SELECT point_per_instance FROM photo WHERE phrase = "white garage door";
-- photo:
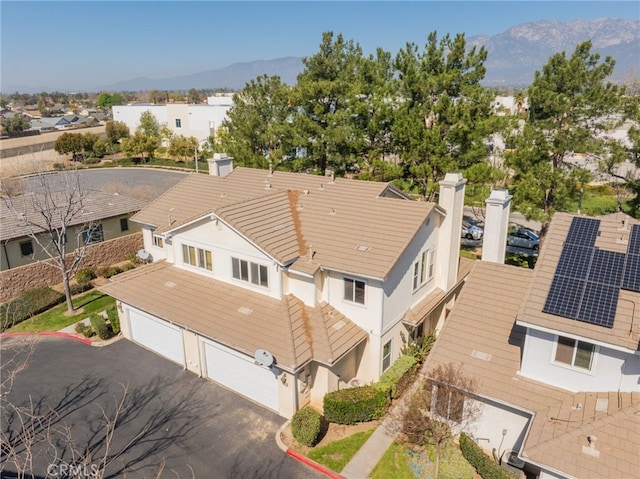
(158, 335)
(239, 373)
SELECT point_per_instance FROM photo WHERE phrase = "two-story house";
(284, 286)
(554, 351)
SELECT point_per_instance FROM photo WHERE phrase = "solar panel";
(634, 240)
(564, 297)
(631, 279)
(575, 261)
(599, 304)
(583, 231)
(606, 267)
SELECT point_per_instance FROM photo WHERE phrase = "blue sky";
(68, 45)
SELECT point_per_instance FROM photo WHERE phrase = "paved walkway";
(372, 451)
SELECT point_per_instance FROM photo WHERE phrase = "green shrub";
(84, 329)
(114, 320)
(80, 288)
(127, 267)
(100, 326)
(419, 348)
(108, 271)
(92, 161)
(85, 275)
(306, 426)
(353, 405)
(391, 378)
(28, 304)
(484, 465)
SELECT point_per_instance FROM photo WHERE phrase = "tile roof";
(339, 224)
(96, 205)
(239, 318)
(481, 335)
(612, 237)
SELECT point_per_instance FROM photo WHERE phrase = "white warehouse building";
(200, 121)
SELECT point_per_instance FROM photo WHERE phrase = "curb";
(304, 459)
(50, 333)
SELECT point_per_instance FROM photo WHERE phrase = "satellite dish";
(144, 255)
(263, 358)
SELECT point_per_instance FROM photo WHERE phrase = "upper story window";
(158, 241)
(178, 123)
(124, 224)
(93, 234)
(26, 248)
(386, 356)
(574, 353)
(198, 257)
(423, 269)
(255, 273)
(354, 290)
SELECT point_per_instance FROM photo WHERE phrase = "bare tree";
(439, 409)
(47, 214)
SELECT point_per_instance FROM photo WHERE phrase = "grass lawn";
(396, 463)
(393, 464)
(337, 454)
(56, 319)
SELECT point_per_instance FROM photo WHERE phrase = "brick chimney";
(494, 245)
(452, 201)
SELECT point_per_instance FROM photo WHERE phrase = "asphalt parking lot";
(172, 421)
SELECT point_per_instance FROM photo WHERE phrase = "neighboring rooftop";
(310, 220)
(481, 335)
(96, 205)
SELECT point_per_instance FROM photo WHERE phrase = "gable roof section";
(612, 237)
(480, 334)
(338, 224)
(97, 205)
(237, 317)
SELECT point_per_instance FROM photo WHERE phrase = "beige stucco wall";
(17, 280)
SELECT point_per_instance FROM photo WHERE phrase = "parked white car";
(471, 231)
(523, 238)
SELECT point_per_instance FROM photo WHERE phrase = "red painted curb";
(49, 333)
(314, 465)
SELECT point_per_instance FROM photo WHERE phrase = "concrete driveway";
(172, 421)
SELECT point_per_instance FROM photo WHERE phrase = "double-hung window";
(423, 269)
(158, 241)
(354, 290)
(248, 271)
(386, 355)
(124, 224)
(572, 352)
(198, 257)
(93, 234)
(178, 123)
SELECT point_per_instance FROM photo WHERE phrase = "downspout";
(6, 255)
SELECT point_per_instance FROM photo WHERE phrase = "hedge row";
(353, 405)
(28, 304)
(391, 381)
(484, 465)
(306, 426)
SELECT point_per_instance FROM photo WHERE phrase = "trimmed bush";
(84, 329)
(306, 426)
(28, 304)
(353, 405)
(114, 320)
(100, 326)
(85, 275)
(484, 465)
(391, 378)
(108, 272)
(80, 288)
(127, 267)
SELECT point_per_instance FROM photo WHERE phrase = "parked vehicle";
(471, 231)
(523, 238)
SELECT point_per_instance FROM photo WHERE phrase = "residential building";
(285, 286)
(105, 216)
(200, 121)
(554, 351)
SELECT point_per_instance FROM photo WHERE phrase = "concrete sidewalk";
(366, 459)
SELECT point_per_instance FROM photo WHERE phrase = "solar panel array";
(587, 281)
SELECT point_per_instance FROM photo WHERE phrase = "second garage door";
(158, 335)
(239, 373)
